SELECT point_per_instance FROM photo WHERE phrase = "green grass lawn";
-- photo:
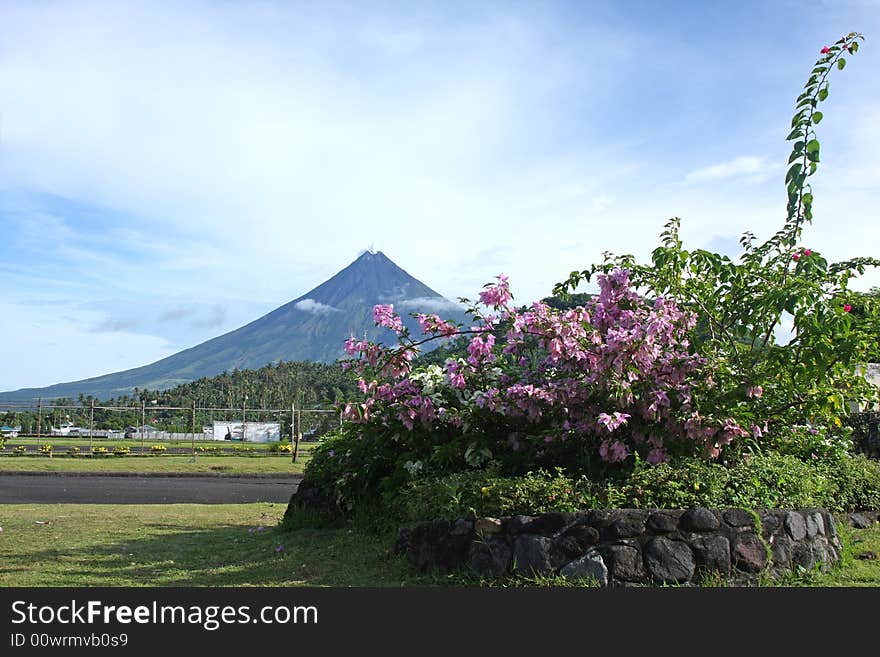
(165, 463)
(222, 545)
(183, 545)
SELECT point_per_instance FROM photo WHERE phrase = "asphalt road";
(60, 488)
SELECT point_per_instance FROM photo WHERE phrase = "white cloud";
(315, 307)
(430, 304)
(756, 169)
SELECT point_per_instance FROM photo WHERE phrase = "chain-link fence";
(150, 423)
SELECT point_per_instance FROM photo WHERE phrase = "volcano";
(312, 327)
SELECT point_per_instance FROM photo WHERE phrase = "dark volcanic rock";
(859, 521)
(431, 545)
(699, 520)
(583, 535)
(739, 518)
(749, 554)
(627, 525)
(624, 563)
(795, 525)
(589, 566)
(669, 562)
(662, 522)
(531, 555)
(547, 523)
(490, 558)
(712, 553)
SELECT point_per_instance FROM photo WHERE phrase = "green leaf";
(823, 93)
(813, 156)
(794, 134)
(813, 146)
(841, 63)
(817, 116)
(793, 172)
(854, 47)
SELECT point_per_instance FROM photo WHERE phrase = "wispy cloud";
(215, 317)
(752, 168)
(315, 307)
(176, 313)
(430, 304)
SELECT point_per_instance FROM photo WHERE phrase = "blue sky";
(171, 171)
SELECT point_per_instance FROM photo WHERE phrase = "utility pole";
(91, 420)
(143, 422)
(293, 441)
(243, 421)
(299, 428)
(40, 421)
(193, 425)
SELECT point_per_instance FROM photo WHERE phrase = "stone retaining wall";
(627, 547)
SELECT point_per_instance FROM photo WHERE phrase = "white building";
(254, 432)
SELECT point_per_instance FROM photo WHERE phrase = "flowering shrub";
(589, 388)
(18, 449)
(603, 380)
(158, 449)
(46, 449)
(281, 448)
(121, 450)
(243, 449)
(73, 451)
(670, 360)
(100, 451)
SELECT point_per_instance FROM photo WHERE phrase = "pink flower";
(825, 50)
(384, 316)
(755, 392)
(847, 308)
(496, 295)
(808, 252)
(611, 422)
(480, 350)
(454, 375)
(796, 256)
(433, 324)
